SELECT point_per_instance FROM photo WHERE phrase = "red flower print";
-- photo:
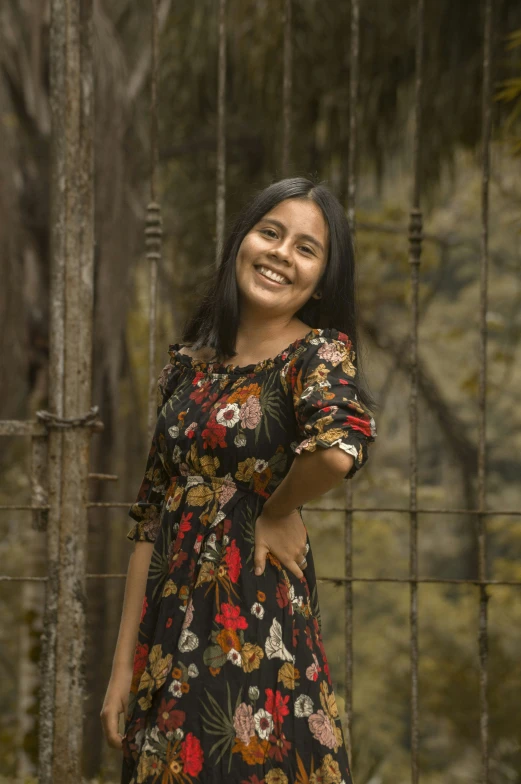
(168, 623)
(230, 617)
(232, 559)
(192, 755)
(143, 609)
(281, 594)
(359, 423)
(279, 747)
(184, 526)
(253, 779)
(168, 718)
(276, 705)
(140, 658)
(214, 435)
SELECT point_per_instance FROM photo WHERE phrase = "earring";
(317, 295)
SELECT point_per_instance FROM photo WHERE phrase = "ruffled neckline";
(204, 366)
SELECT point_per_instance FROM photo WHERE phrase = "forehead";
(300, 215)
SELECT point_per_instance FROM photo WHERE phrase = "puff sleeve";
(147, 508)
(327, 408)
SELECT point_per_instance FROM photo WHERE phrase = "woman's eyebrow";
(307, 237)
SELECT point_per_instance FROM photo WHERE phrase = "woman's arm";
(311, 475)
(279, 529)
(116, 697)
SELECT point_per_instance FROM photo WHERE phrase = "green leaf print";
(273, 405)
(159, 566)
(216, 722)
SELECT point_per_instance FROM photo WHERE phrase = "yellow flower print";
(288, 674)
(251, 656)
(276, 776)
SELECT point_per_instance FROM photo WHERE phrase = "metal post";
(72, 217)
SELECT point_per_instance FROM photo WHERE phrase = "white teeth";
(273, 275)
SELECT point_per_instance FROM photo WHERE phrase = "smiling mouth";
(270, 279)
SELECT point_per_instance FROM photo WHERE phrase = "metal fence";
(60, 437)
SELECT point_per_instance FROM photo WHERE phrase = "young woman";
(220, 667)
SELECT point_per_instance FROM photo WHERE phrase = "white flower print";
(234, 656)
(263, 723)
(274, 645)
(261, 465)
(188, 641)
(228, 416)
(193, 672)
(257, 609)
(303, 706)
(176, 688)
(253, 693)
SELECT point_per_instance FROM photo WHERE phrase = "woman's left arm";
(279, 528)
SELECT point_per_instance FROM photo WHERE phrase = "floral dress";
(231, 682)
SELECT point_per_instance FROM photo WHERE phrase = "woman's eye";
(306, 248)
(265, 230)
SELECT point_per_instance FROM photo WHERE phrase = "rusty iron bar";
(354, 78)
(400, 509)
(220, 198)
(337, 581)
(18, 427)
(482, 396)
(415, 250)
(287, 88)
(354, 50)
(153, 228)
(72, 243)
(39, 483)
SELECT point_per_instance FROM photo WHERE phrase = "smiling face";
(290, 240)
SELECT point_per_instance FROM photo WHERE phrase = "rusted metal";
(336, 581)
(348, 487)
(16, 427)
(354, 68)
(482, 396)
(220, 199)
(153, 229)
(38, 473)
(72, 214)
(153, 240)
(287, 89)
(415, 249)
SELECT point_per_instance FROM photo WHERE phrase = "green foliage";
(510, 92)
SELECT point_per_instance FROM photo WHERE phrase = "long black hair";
(216, 319)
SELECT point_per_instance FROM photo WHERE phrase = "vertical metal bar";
(287, 89)
(221, 134)
(415, 249)
(57, 52)
(153, 230)
(482, 453)
(348, 497)
(354, 58)
(39, 482)
(72, 217)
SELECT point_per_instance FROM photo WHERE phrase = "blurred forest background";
(449, 333)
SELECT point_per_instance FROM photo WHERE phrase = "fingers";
(259, 558)
(109, 719)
